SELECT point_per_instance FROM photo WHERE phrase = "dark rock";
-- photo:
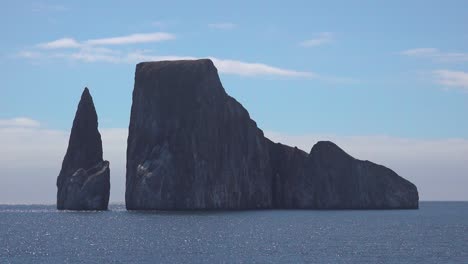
(329, 178)
(289, 176)
(84, 180)
(344, 182)
(192, 146)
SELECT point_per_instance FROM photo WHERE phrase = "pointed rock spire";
(84, 180)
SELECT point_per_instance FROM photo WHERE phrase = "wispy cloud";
(137, 38)
(321, 39)
(455, 79)
(224, 26)
(253, 69)
(92, 54)
(94, 50)
(447, 78)
(436, 55)
(63, 43)
(132, 39)
(228, 66)
(19, 122)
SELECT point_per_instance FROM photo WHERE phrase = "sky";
(386, 80)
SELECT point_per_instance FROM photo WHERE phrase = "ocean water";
(436, 233)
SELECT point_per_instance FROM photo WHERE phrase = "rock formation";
(192, 146)
(329, 178)
(83, 182)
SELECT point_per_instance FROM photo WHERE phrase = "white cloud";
(321, 39)
(137, 38)
(63, 43)
(132, 39)
(228, 66)
(19, 122)
(447, 78)
(436, 55)
(235, 67)
(224, 26)
(455, 79)
(254, 69)
(93, 54)
(31, 157)
(92, 51)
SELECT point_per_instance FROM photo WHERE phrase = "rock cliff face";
(329, 178)
(192, 146)
(83, 182)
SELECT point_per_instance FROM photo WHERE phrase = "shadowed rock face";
(342, 181)
(192, 146)
(329, 178)
(83, 182)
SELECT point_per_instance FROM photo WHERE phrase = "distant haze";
(31, 157)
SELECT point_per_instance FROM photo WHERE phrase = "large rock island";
(192, 146)
(83, 182)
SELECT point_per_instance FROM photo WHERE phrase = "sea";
(436, 233)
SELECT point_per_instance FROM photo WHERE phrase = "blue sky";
(348, 70)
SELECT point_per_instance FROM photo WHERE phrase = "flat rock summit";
(192, 146)
(84, 180)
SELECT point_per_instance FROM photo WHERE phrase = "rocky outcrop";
(83, 182)
(329, 178)
(192, 146)
(289, 177)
